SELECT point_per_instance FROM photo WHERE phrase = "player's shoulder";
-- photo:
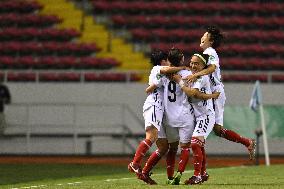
(210, 51)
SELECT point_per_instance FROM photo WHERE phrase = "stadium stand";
(253, 30)
(39, 36)
(31, 43)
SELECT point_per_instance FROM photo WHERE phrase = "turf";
(63, 176)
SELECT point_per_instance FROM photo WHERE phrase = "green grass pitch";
(73, 176)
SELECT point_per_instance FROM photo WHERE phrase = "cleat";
(194, 180)
(251, 149)
(204, 177)
(147, 179)
(169, 181)
(176, 179)
(135, 169)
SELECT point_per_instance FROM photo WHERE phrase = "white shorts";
(153, 116)
(204, 125)
(174, 134)
(219, 105)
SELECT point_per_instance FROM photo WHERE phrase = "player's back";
(177, 107)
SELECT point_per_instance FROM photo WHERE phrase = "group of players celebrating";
(185, 103)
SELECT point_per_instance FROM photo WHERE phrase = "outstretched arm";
(151, 88)
(210, 69)
(169, 70)
(192, 92)
(197, 94)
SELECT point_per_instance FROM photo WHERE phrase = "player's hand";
(215, 95)
(191, 78)
(176, 77)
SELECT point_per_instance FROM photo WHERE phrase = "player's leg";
(230, 135)
(162, 149)
(171, 159)
(204, 125)
(185, 134)
(143, 147)
(152, 126)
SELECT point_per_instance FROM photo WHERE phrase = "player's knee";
(163, 150)
(217, 130)
(185, 145)
(152, 133)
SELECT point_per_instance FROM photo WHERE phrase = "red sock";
(235, 137)
(203, 168)
(151, 162)
(141, 151)
(171, 158)
(196, 145)
(184, 156)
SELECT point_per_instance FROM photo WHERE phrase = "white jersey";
(215, 77)
(156, 97)
(177, 107)
(202, 107)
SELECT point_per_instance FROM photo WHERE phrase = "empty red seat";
(277, 77)
(21, 77)
(59, 77)
(242, 77)
(19, 6)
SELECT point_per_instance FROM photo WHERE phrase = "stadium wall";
(99, 106)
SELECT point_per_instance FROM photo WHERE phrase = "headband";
(201, 57)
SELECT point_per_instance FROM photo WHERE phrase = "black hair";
(157, 56)
(215, 35)
(175, 56)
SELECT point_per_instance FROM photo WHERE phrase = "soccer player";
(204, 115)
(179, 122)
(210, 41)
(153, 110)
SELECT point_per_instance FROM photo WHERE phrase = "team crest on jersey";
(211, 58)
(159, 76)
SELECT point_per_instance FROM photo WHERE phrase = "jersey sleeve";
(213, 57)
(213, 60)
(156, 76)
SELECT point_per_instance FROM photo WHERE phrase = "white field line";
(190, 171)
(43, 186)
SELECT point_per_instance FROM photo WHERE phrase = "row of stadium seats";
(56, 62)
(167, 35)
(182, 21)
(68, 77)
(28, 20)
(31, 34)
(252, 64)
(252, 77)
(249, 50)
(19, 6)
(47, 48)
(113, 76)
(224, 8)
